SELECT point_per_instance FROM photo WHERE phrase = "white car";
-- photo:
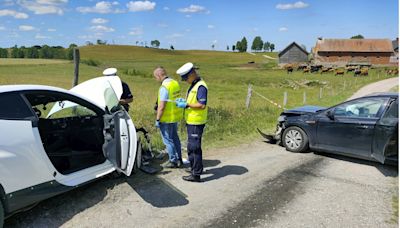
(53, 140)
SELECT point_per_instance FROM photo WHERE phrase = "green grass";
(31, 61)
(230, 122)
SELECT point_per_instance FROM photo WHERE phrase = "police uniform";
(195, 120)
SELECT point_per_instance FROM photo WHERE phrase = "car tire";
(138, 159)
(294, 139)
(1, 214)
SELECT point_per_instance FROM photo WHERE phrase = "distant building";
(395, 44)
(343, 51)
(293, 53)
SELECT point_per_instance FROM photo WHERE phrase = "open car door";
(120, 141)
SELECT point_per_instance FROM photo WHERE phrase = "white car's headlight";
(281, 118)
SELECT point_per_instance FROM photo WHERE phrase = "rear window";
(13, 107)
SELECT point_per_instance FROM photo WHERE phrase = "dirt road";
(252, 185)
(380, 86)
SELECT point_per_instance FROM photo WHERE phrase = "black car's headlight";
(281, 118)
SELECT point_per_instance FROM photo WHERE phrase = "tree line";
(257, 45)
(38, 52)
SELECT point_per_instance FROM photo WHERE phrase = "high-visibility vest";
(195, 116)
(171, 114)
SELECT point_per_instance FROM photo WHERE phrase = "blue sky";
(193, 24)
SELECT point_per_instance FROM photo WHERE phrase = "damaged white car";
(53, 140)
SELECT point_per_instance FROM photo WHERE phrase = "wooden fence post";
(249, 92)
(76, 66)
(284, 99)
(304, 97)
(320, 93)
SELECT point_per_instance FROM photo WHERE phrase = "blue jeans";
(169, 134)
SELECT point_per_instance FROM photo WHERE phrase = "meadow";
(227, 75)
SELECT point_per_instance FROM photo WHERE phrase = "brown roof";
(354, 45)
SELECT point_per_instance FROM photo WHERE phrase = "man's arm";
(160, 109)
(126, 101)
(201, 99)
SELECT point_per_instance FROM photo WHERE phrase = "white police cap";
(110, 72)
(185, 69)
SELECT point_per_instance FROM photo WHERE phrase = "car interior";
(72, 136)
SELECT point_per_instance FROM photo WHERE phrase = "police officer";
(126, 96)
(168, 116)
(196, 109)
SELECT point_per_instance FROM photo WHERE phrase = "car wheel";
(1, 214)
(138, 159)
(295, 139)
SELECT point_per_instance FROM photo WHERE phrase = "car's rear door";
(352, 129)
(385, 142)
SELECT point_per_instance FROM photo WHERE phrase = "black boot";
(192, 178)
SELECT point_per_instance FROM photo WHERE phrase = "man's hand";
(181, 103)
(157, 124)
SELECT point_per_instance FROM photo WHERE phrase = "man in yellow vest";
(168, 116)
(195, 107)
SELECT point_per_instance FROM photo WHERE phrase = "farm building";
(342, 51)
(395, 57)
(293, 53)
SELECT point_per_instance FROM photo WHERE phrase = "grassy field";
(227, 75)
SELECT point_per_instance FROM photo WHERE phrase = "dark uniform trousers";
(195, 133)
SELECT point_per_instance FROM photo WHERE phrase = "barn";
(343, 51)
(293, 53)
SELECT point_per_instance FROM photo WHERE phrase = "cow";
(326, 70)
(288, 68)
(339, 72)
(361, 72)
(306, 70)
(315, 68)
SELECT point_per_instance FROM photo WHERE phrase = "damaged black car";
(365, 128)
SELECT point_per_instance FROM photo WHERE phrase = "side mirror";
(330, 115)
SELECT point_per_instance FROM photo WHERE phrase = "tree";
(267, 46)
(233, 48)
(257, 44)
(243, 45)
(45, 52)
(101, 42)
(88, 43)
(31, 53)
(14, 52)
(238, 46)
(3, 53)
(359, 36)
(155, 43)
(172, 47)
(227, 47)
(213, 46)
(272, 47)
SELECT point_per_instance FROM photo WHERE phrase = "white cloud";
(174, 36)
(210, 26)
(215, 41)
(26, 28)
(101, 28)
(51, 30)
(141, 6)
(136, 31)
(193, 9)
(44, 6)
(99, 21)
(91, 37)
(2, 28)
(283, 29)
(166, 8)
(38, 36)
(115, 3)
(12, 13)
(100, 7)
(296, 5)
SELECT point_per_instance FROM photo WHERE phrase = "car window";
(391, 116)
(55, 106)
(14, 107)
(362, 108)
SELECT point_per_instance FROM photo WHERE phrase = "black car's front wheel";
(295, 139)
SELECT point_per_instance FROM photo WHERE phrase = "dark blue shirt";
(201, 92)
(126, 94)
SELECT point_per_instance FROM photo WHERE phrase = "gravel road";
(251, 185)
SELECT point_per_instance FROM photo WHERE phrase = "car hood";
(304, 109)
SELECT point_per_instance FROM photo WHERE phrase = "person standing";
(168, 116)
(195, 107)
(126, 96)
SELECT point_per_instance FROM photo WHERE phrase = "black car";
(365, 127)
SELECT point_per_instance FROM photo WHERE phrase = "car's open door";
(120, 140)
(385, 143)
